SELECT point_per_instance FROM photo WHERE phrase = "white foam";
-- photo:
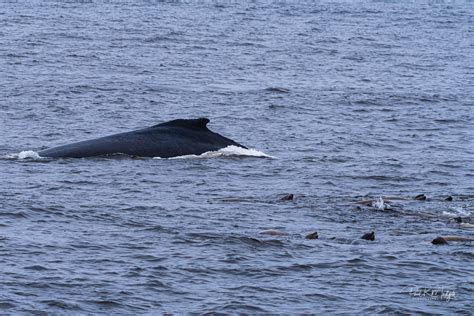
(380, 204)
(226, 152)
(27, 154)
(457, 211)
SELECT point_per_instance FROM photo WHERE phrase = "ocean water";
(351, 100)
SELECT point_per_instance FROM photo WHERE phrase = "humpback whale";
(170, 139)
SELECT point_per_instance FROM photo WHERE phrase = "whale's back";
(169, 139)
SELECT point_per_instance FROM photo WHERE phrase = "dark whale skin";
(170, 139)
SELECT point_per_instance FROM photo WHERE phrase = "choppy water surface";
(354, 100)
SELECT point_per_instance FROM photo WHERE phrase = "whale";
(174, 138)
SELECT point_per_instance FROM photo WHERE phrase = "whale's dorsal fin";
(199, 123)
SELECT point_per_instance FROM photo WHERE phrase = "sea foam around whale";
(26, 154)
(224, 152)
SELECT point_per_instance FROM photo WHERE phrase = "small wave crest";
(380, 204)
(226, 152)
(457, 211)
(27, 154)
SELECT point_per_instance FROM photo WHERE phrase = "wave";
(457, 211)
(27, 154)
(225, 152)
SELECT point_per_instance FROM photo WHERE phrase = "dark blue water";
(353, 100)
